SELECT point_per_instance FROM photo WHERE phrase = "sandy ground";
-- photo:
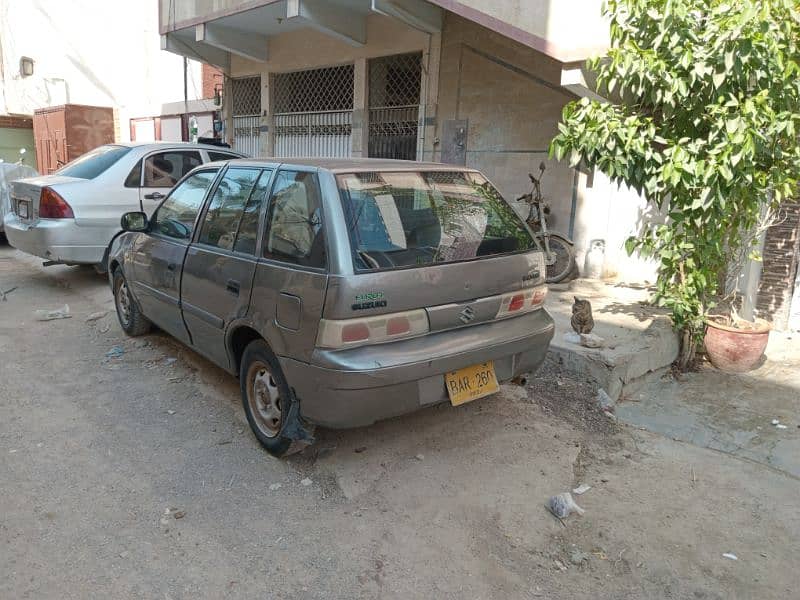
(445, 503)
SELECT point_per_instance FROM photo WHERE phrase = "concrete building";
(90, 52)
(476, 82)
(469, 82)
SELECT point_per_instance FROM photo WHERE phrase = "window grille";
(395, 80)
(246, 96)
(316, 90)
(314, 112)
(394, 97)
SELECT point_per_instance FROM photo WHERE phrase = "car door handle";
(171, 267)
(154, 196)
(233, 287)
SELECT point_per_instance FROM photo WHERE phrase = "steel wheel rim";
(124, 303)
(264, 399)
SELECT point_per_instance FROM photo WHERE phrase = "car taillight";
(53, 206)
(347, 333)
(517, 303)
(539, 296)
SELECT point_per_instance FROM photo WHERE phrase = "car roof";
(161, 144)
(348, 165)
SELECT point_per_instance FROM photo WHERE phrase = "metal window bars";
(315, 90)
(394, 97)
(246, 96)
(246, 110)
(313, 112)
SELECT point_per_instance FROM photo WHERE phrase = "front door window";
(175, 218)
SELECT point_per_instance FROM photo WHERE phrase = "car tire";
(266, 397)
(130, 318)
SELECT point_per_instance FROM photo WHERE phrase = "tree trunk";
(688, 350)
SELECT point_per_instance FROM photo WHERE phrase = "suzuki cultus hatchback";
(340, 292)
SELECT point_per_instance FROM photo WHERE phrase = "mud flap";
(295, 429)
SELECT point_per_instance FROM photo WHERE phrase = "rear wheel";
(131, 319)
(266, 397)
(560, 261)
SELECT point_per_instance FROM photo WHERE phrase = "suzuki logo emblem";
(467, 315)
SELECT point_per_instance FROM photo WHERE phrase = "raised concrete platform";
(639, 338)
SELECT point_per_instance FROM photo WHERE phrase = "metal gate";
(246, 112)
(394, 96)
(314, 112)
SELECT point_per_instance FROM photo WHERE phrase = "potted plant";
(732, 343)
(735, 345)
(703, 123)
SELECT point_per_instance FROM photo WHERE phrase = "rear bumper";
(411, 373)
(59, 240)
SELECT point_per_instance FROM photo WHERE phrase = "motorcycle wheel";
(561, 261)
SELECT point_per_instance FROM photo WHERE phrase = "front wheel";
(131, 319)
(560, 260)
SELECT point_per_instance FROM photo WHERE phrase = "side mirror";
(134, 221)
(542, 166)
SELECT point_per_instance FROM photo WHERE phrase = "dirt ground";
(102, 453)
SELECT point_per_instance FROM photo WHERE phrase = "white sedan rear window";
(94, 162)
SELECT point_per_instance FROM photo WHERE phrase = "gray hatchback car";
(340, 292)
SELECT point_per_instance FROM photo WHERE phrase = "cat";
(582, 321)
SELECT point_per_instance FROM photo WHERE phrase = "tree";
(704, 125)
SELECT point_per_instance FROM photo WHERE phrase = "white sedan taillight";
(517, 303)
(347, 333)
(53, 206)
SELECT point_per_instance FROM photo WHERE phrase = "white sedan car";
(71, 216)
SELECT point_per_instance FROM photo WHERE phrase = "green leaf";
(729, 58)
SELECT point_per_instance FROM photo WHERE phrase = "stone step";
(639, 340)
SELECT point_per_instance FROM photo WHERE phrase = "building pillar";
(360, 128)
(227, 109)
(429, 98)
(266, 130)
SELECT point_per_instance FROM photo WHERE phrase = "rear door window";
(248, 227)
(163, 169)
(93, 163)
(225, 210)
(411, 219)
(295, 233)
(134, 178)
(175, 218)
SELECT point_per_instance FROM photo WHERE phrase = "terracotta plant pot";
(736, 350)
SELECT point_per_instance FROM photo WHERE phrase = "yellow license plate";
(471, 383)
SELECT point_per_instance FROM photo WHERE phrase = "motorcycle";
(557, 247)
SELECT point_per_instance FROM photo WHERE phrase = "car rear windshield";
(411, 219)
(94, 162)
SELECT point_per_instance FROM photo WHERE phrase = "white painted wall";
(612, 213)
(794, 313)
(97, 52)
(571, 30)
